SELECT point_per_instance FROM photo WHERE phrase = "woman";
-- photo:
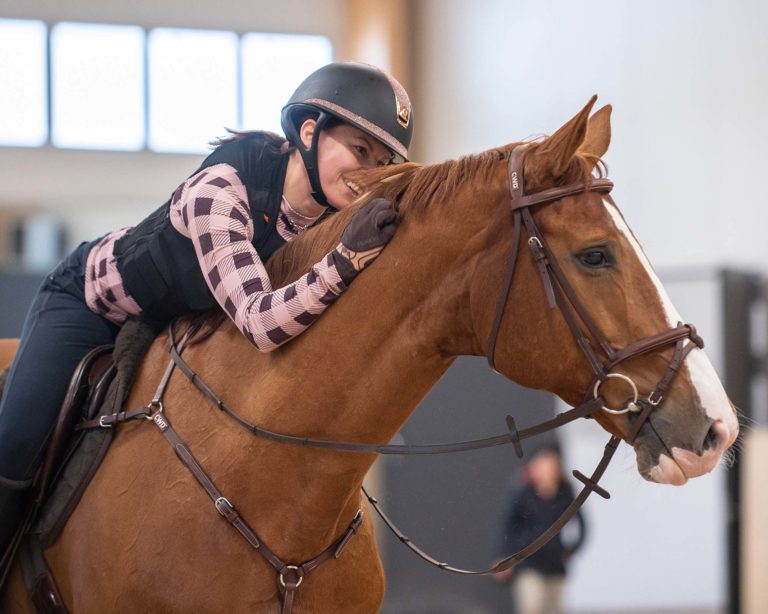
(538, 581)
(207, 246)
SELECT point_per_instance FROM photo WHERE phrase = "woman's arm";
(211, 208)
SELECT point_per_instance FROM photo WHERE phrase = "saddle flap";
(96, 366)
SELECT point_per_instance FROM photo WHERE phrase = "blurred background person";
(531, 506)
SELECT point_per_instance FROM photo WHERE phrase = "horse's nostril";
(710, 441)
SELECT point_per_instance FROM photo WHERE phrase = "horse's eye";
(594, 259)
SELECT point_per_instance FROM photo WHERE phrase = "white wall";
(689, 84)
(688, 81)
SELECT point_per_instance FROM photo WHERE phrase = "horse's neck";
(355, 376)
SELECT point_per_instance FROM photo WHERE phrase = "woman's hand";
(368, 232)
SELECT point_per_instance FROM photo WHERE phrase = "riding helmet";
(358, 94)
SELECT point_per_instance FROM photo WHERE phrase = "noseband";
(560, 294)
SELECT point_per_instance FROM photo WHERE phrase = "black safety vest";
(158, 264)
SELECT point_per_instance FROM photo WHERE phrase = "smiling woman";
(343, 149)
(207, 247)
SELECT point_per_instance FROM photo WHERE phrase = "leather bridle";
(559, 294)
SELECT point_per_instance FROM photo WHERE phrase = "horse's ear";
(552, 158)
(598, 133)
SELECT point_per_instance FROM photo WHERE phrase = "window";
(97, 83)
(193, 88)
(115, 87)
(23, 106)
(273, 65)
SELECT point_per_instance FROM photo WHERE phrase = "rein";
(559, 294)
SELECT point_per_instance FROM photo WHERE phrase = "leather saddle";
(85, 397)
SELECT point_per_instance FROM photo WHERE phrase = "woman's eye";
(360, 150)
(594, 259)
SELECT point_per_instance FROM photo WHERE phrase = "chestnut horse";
(145, 537)
(7, 350)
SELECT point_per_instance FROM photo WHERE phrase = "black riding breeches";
(58, 332)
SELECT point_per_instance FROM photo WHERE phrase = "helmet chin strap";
(309, 156)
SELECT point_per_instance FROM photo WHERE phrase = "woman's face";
(340, 150)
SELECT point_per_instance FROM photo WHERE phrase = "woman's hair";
(270, 139)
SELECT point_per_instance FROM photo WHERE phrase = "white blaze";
(703, 376)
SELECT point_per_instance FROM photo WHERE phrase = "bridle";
(559, 294)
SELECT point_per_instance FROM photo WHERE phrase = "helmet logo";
(403, 113)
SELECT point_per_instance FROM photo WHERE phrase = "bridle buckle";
(653, 401)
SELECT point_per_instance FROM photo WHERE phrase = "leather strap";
(505, 289)
(590, 486)
(290, 576)
(560, 293)
(519, 199)
(513, 436)
(145, 411)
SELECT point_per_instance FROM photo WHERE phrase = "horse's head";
(687, 432)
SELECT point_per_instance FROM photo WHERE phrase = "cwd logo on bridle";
(513, 180)
(160, 421)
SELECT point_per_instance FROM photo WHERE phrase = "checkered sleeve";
(211, 208)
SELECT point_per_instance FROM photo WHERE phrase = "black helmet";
(358, 94)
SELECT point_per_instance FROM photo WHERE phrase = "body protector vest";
(159, 265)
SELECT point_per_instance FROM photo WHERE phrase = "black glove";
(366, 234)
(371, 227)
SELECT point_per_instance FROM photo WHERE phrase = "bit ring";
(631, 406)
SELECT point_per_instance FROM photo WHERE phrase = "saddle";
(99, 386)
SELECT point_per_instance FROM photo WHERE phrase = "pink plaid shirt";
(211, 209)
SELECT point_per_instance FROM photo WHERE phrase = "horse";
(145, 536)
(7, 350)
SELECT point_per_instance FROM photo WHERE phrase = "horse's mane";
(414, 188)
